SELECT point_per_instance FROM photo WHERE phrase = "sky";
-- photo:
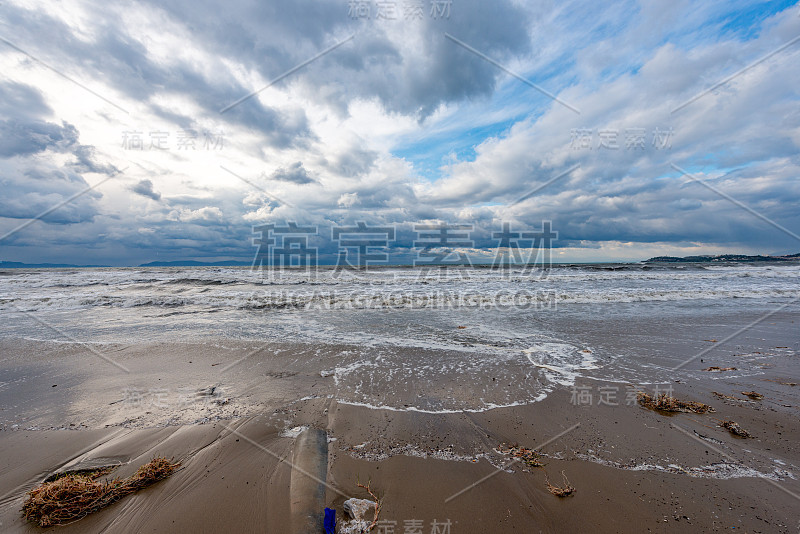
(133, 132)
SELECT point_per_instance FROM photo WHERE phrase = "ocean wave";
(413, 298)
(199, 282)
(396, 287)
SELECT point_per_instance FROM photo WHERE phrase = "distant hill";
(229, 263)
(20, 265)
(735, 258)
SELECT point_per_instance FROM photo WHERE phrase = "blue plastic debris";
(330, 521)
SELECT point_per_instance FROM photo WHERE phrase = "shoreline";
(234, 432)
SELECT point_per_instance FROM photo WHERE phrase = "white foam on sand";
(293, 432)
(562, 362)
(371, 383)
(721, 470)
(485, 408)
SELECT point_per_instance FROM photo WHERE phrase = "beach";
(420, 393)
(417, 267)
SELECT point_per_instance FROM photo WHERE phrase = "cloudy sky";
(137, 132)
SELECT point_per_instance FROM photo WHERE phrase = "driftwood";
(378, 504)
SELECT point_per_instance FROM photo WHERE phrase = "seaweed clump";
(72, 496)
(523, 454)
(560, 491)
(734, 428)
(668, 403)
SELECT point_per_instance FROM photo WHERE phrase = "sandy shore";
(634, 470)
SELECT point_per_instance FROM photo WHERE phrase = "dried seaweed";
(559, 491)
(717, 368)
(667, 403)
(753, 395)
(72, 496)
(734, 428)
(523, 454)
(780, 382)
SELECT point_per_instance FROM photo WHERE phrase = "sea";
(508, 336)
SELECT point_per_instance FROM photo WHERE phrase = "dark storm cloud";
(86, 161)
(412, 77)
(32, 183)
(295, 173)
(23, 138)
(420, 71)
(20, 101)
(23, 128)
(123, 62)
(39, 187)
(145, 188)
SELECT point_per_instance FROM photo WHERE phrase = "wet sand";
(634, 470)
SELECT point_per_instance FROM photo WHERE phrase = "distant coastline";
(20, 265)
(229, 263)
(188, 263)
(723, 258)
(726, 258)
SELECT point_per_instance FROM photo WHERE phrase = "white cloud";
(348, 200)
(206, 214)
